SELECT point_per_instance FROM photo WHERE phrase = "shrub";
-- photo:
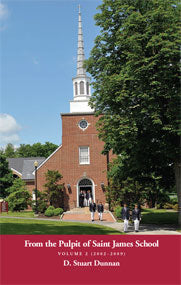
(51, 208)
(19, 200)
(58, 211)
(173, 200)
(41, 202)
(18, 185)
(41, 206)
(54, 190)
(49, 213)
(168, 206)
(175, 207)
(117, 212)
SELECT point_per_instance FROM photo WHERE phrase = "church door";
(85, 185)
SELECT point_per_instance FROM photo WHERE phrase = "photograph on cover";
(89, 118)
(90, 185)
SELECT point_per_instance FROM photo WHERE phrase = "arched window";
(81, 87)
(85, 182)
(76, 89)
(87, 85)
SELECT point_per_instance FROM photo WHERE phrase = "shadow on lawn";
(160, 218)
(61, 229)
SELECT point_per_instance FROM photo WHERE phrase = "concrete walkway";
(144, 229)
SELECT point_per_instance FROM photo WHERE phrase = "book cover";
(75, 207)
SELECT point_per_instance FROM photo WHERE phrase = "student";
(92, 208)
(125, 216)
(136, 216)
(100, 209)
(81, 199)
(85, 200)
(88, 197)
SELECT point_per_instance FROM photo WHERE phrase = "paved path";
(107, 217)
(147, 229)
(144, 229)
(83, 214)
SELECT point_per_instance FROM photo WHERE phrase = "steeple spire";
(80, 50)
(81, 82)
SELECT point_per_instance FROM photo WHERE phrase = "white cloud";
(3, 11)
(9, 129)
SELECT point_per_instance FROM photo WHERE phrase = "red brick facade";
(30, 185)
(66, 159)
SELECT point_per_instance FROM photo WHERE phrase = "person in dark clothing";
(81, 199)
(125, 216)
(100, 209)
(92, 208)
(136, 217)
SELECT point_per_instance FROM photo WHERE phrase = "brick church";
(79, 158)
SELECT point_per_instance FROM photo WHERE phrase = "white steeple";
(81, 83)
(80, 50)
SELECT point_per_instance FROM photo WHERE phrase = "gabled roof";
(25, 166)
(49, 157)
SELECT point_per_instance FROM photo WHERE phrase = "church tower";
(79, 159)
(81, 83)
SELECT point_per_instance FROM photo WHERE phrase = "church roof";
(25, 166)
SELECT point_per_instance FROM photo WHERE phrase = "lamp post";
(36, 165)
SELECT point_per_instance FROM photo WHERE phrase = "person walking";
(100, 209)
(125, 216)
(92, 209)
(136, 217)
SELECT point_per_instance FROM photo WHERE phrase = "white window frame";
(84, 146)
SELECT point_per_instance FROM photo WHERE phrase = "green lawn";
(39, 227)
(26, 214)
(159, 217)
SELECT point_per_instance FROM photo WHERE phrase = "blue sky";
(38, 42)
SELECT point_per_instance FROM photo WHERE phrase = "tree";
(135, 65)
(10, 151)
(49, 148)
(24, 150)
(18, 185)
(131, 190)
(41, 202)
(6, 176)
(19, 197)
(37, 149)
(54, 190)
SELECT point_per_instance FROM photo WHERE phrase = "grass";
(159, 217)
(26, 214)
(38, 227)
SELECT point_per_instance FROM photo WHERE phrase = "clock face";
(83, 124)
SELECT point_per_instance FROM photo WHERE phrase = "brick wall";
(66, 159)
(30, 185)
